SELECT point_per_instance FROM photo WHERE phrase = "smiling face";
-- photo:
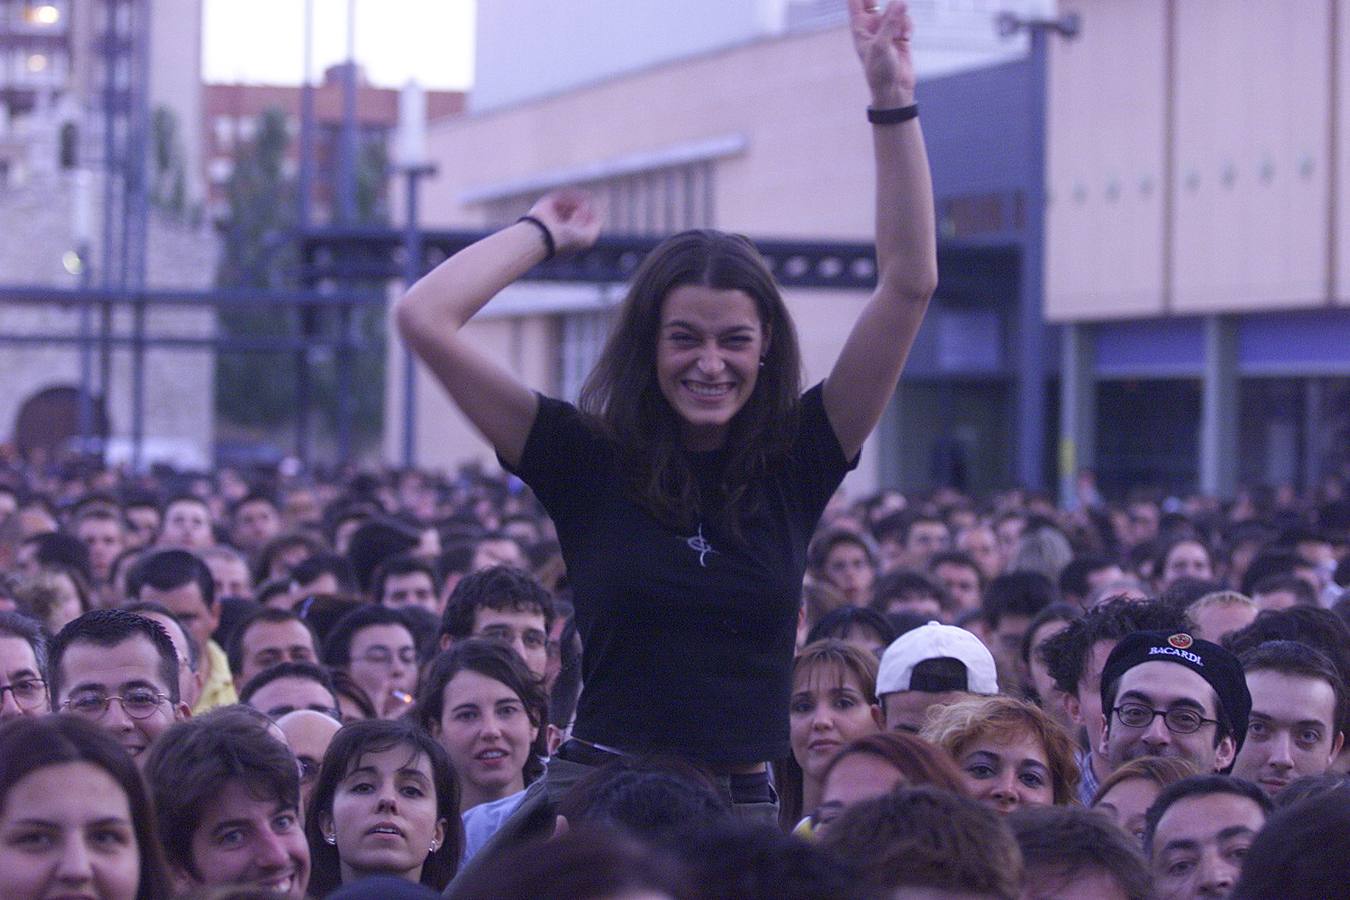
(131, 667)
(487, 732)
(1007, 773)
(66, 831)
(708, 351)
(384, 817)
(255, 840)
(828, 710)
(1164, 686)
(19, 671)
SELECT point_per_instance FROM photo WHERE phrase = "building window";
(224, 128)
(583, 339)
(656, 202)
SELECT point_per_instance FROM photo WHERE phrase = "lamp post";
(411, 160)
(82, 225)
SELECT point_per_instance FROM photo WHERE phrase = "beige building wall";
(1189, 158)
(1105, 164)
(179, 383)
(796, 163)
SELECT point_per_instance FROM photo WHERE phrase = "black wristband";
(549, 245)
(893, 116)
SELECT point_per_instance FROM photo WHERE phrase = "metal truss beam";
(375, 254)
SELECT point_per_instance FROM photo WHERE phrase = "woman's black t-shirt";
(688, 637)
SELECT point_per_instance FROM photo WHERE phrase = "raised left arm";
(864, 377)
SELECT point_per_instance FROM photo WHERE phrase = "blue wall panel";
(1153, 348)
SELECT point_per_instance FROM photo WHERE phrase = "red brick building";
(230, 118)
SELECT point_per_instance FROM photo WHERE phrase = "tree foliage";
(259, 389)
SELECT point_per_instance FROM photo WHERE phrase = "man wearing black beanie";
(1170, 694)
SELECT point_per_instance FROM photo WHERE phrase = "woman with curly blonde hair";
(1010, 753)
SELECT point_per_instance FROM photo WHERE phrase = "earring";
(330, 838)
(435, 846)
(761, 362)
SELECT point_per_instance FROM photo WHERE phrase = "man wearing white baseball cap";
(928, 666)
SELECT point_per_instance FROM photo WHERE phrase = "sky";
(262, 41)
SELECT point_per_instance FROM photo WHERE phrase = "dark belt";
(752, 787)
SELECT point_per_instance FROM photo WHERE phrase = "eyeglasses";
(29, 693)
(139, 704)
(383, 656)
(1178, 719)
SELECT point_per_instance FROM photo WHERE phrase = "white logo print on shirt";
(700, 545)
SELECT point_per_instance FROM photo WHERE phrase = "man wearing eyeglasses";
(23, 690)
(1169, 694)
(119, 670)
(375, 646)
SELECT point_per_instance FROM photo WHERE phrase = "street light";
(1010, 23)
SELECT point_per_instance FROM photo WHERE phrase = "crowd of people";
(662, 655)
(290, 684)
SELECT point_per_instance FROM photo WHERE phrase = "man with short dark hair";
(289, 686)
(1197, 832)
(187, 524)
(932, 665)
(1081, 578)
(960, 576)
(375, 645)
(254, 520)
(497, 549)
(23, 663)
(227, 801)
(923, 536)
(183, 583)
(119, 670)
(907, 591)
(1075, 657)
(406, 580)
(502, 604)
(1297, 723)
(1169, 694)
(103, 532)
(268, 636)
(1010, 602)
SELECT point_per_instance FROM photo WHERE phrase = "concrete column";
(1077, 409)
(1219, 408)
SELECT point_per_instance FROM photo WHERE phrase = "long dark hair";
(623, 397)
(354, 741)
(491, 660)
(28, 744)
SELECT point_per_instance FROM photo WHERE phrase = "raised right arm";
(432, 314)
